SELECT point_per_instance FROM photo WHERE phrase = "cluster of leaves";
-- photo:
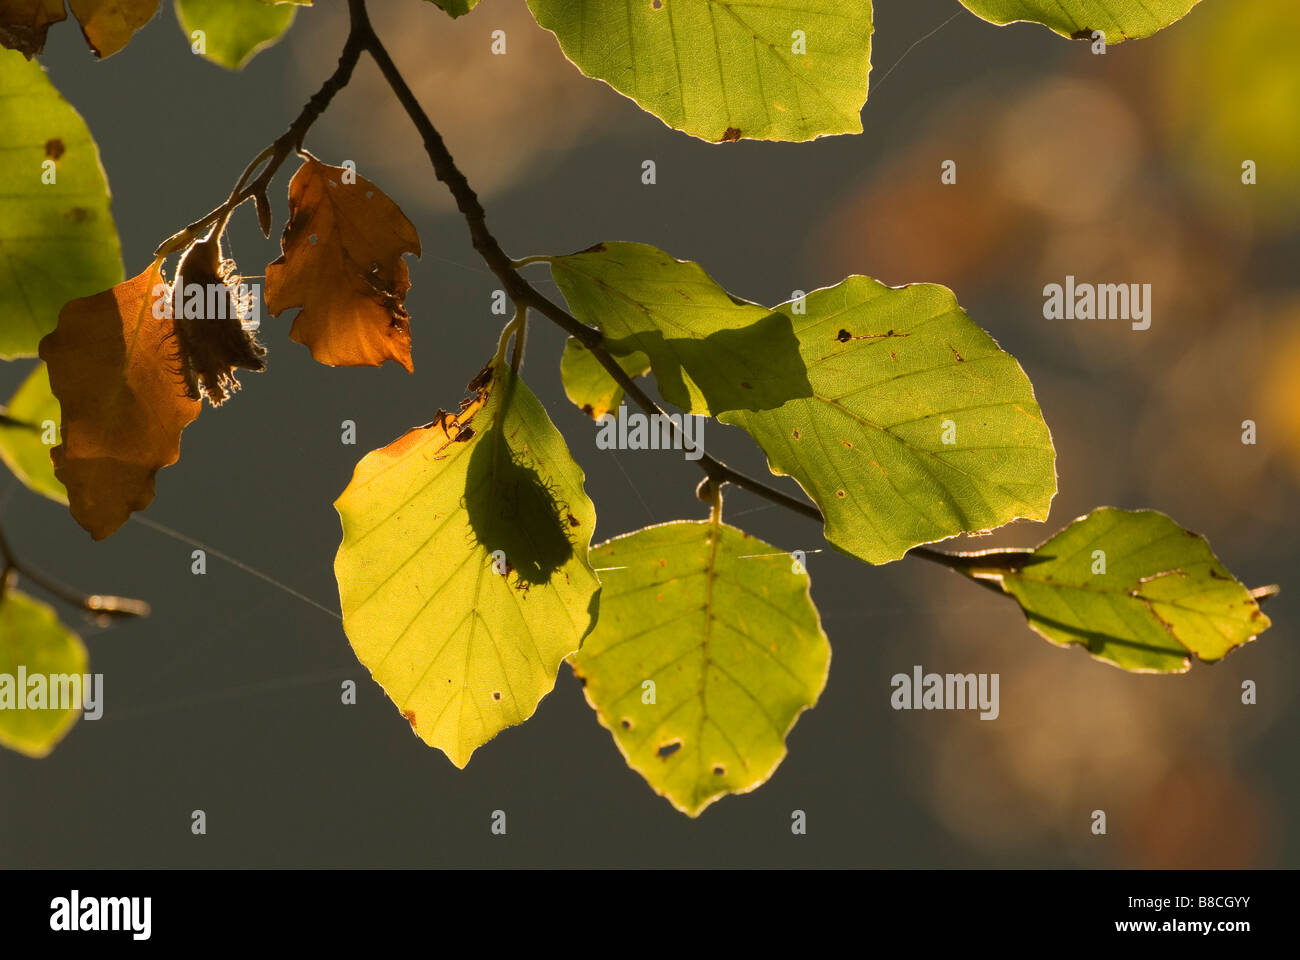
(466, 572)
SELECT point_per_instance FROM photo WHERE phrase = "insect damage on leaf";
(342, 265)
(210, 312)
(122, 403)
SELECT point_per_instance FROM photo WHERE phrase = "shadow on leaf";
(512, 509)
(757, 367)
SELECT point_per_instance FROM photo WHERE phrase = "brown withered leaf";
(23, 23)
(108, 25)
(112, 368)
(342, 264)
(209, 313)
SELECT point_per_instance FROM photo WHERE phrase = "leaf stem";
(100, 605)
(521, 336)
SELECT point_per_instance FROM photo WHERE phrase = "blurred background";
(1117, 168)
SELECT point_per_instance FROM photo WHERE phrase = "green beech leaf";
(456, 8)
(725, 71)
(710, 351)
(724, 627)
(919, 428)
(30, 420)
(234, 30)
(589, 385)
(1133, 587)
(463, 573)
(57, 239)
(1119, 20)
(901, 418)
(32, 637)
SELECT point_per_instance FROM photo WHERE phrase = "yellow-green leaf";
(1131, 586)
(589, 385)
(57, 237)
(33, 639)
(901, 418)
(920, 426)
(707, 649)
(710, 351)
(234, 31)
(29, 430)
(1119, 20)
(764, 70)
(463, 572)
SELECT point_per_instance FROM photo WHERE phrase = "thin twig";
(100, 605)
(276, 153)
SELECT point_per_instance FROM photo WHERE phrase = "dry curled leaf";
(107, 25)
(210, 312)
(23, 23)
(342, 265)
(124, 405)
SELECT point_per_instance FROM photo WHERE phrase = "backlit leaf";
(342, 264)
(1135, 589)
(113, 365)
(589, 385)
(710, 351)
(919, 428)
(33, 418)
(57, 239)
(32, 637)
(1131, 586)
(1119, 20)
(899, 416)
(463, 572)
(108, 25)
(724, 628)
(765, 70)
(234, 31)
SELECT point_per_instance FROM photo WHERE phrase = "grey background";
(227, 698)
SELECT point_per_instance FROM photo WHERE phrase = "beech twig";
(100, 605)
